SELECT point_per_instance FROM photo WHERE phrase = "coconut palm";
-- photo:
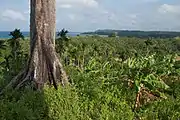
(62, 33)
(16, 37)
(14, 41)
(62, 40)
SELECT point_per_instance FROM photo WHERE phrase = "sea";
(5, 34)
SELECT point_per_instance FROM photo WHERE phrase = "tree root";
(27, 76)
(23, 81)
(14, 81)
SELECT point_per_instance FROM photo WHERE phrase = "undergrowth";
(106, 75)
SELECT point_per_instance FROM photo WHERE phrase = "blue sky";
(90, 15)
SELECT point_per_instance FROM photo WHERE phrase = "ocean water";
(5, 34)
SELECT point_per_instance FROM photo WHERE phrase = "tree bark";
(44, 63)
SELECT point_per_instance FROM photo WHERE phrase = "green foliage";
(137, 33)
(63, 104)
(14, 41)
(2, 45)
(146, 71)
(159, 110)
(13, 57)
(61, 41)
(99, 69)
(23, 105)
(16, 54)
(16, 34)
(114, 34)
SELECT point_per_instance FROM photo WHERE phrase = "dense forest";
(136, 33)
(111, 78)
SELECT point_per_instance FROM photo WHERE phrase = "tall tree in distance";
(14, 42)
(44, 64)
(62, 41)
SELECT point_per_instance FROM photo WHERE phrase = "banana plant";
(144, 73)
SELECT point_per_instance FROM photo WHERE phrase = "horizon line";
(112, 30)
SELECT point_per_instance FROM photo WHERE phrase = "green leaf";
(156, 82)
(162, 95)
(137, 86)
(2, 59)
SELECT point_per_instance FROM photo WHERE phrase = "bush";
(63, 104)
(100, 70)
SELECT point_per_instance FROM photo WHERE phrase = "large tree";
(44, 64)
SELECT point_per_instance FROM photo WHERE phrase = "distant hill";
(136, 33)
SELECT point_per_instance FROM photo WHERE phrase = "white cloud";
(65, 6)
(77, 3)
(149, 0)
(133, 16)
(166, 8)
(84, 15)
(72, 16)
(10, 14)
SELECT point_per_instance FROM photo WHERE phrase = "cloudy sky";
(90, 15)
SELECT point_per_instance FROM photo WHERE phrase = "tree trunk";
(44, 63)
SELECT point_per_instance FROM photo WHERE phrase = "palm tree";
(16, 37)
(14, 42)
(62, 33)
(62, 40)
(16, 34)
